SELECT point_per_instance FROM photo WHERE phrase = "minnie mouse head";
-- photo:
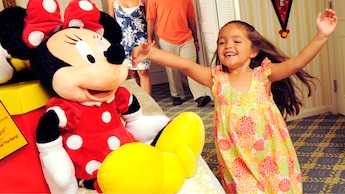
(88, 52)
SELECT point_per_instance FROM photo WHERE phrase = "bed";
(204, 180)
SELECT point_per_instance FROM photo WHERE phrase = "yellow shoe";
(141, 168)
(184, 136)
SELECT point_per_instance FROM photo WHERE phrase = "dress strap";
(266, 69)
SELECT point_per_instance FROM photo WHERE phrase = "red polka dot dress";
(255, 151)
(90, 131)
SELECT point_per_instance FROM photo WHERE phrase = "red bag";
(21, 171)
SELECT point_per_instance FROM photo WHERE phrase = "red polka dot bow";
(43, 19)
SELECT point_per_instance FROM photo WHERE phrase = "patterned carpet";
(319, 142)
(320, 145)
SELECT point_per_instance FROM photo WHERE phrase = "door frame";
(336, 84)
(333, 68)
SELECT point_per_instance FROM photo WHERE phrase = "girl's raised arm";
(326, 26)
(193, 70)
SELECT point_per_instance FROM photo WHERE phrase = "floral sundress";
(134, 30)
(254, 148)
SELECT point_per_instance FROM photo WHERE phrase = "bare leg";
(134, 74)
(145, 80)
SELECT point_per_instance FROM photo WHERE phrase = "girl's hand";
(326, 24)
(140, 53)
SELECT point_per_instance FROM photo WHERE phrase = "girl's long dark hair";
(284, 91)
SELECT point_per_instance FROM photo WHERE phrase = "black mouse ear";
(112, 30)
(11, 29)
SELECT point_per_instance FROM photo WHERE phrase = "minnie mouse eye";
(101, 44)
(85, 51)
(91, 59)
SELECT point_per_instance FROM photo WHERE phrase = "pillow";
(147, 103)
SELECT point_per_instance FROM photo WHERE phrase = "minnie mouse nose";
(115, 54)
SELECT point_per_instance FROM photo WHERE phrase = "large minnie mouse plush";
(82, 138)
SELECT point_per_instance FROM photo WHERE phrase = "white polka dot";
(91, 166)
(49, 5)
(106, 117)
(74, 142)
(76, 23)
(113, 143)
(35, 38)
(85, 5)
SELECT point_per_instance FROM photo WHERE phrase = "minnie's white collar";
(95, 103)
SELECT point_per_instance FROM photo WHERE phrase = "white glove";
(144, 128)
(57, 167)
(6, 70)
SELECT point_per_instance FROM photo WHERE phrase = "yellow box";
(23, 97)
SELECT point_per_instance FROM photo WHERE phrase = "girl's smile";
(229, 54)
(234, 47)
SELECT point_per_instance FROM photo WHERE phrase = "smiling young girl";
(252, 90)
